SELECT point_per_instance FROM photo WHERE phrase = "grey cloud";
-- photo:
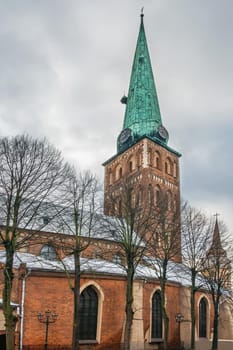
(66, 64)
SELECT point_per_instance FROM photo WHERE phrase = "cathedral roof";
(142, 114)
(176, 273)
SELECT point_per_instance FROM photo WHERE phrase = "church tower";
(218, 262)
(143, 156)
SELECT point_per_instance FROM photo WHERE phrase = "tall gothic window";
(203, 318)
(157, 322)
(88, 314)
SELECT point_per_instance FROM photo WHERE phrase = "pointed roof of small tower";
(216, 246)
(142, 115)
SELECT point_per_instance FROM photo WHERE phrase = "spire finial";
(216, 216)
(142, 14)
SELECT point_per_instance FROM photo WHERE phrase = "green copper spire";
(142, 115)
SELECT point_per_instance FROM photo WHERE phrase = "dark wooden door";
(2, 341)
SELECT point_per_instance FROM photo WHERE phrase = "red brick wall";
(53, 293)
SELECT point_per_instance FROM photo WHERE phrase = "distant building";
(145, 160)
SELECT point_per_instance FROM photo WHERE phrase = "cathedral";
(146, 161)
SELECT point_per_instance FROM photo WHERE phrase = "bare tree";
(129, 227)
(164, 248)
(196, 235)
(217, 273)
(31, 173)
(79, 221)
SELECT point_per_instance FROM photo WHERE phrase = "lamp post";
(179, 318)
(47, 318)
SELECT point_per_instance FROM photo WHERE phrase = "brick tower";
(143, 156)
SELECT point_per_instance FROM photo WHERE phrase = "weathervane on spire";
(142, 14)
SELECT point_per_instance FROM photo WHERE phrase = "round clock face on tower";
(125, 135)
(163, 133)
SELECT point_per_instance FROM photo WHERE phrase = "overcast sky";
(64, 65)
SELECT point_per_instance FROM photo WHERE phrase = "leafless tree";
(196, 236)
(217, 273)
(164, 248)
(80, 221)
(129, 227)
(31, 173)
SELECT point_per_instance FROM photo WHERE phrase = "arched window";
(140, 194)
(169, 200)
(164, 202)
(110, 177)
(157, 160)
(157, 321)
(132, 199)
(157, 195)
(139, 158)
(131, 164)
(175, 203)
(150, 195)
(203, 318)
(150, 157)
(168, 166)
(116, 259)
(118, 172)
(88, 314)
(158, 238)
(48, 252)
(174, 169)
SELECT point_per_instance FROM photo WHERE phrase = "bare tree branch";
(31, 173)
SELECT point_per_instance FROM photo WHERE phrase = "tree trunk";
(192, 306)
(164, 312)
(215, 330)
(76, 291)
(10, 318)
(129, 308)
(166, 328)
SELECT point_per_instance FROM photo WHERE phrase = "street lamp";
(179, 318)
(47, 318)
